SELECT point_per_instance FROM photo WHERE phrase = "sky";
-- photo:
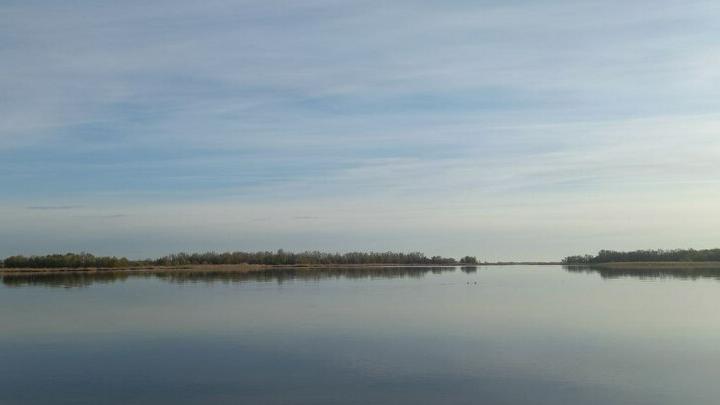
(508, 130)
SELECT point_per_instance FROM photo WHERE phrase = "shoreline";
(651, 266)
(201, 268)
(256, 268)
(237, 268)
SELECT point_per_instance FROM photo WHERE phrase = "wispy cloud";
(429, 107)
(53, 207)
(106, 216)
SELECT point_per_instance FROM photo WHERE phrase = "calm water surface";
(491, 335)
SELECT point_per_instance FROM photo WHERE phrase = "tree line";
(280, 257)
(69, 260)
(659, 255)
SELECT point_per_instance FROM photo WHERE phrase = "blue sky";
(503, 129)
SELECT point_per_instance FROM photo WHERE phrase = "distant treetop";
(677, 255)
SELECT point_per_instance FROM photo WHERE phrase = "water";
(493, 335)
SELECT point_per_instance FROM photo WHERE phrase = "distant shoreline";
(237, 268)
(202, 268)
(518, 264)
(249, 268)
(651, 266)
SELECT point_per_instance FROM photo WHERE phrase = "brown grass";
(196, 268)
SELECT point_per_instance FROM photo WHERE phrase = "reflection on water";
(510, 335)
(280, 275)
(648, 273)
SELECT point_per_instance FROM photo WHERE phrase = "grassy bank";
(204, 268)
(654, 266)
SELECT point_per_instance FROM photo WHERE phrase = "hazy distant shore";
(248, 268)
(237, 268)
(225, 268)
(653, 266)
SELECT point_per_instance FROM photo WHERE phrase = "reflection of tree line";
(70, 279)
(278, 275)
(647, 273)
